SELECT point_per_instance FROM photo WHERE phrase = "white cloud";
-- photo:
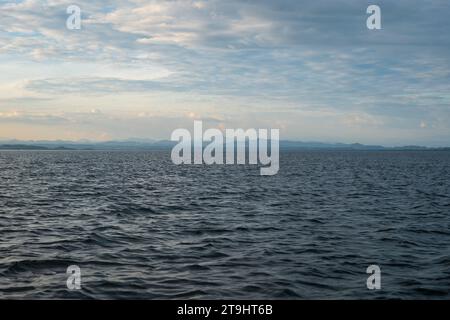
(297, 59)
(362, 120)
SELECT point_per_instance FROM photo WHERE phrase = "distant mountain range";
(141, 144)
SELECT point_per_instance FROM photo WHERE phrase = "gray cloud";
(301, 56)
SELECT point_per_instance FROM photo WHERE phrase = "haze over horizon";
(144, 68)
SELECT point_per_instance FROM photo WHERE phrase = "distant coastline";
(165, 144)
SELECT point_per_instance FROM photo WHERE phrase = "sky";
(141, 69)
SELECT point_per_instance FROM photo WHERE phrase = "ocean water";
(140, 227)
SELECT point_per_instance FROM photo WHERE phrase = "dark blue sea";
(140, 227)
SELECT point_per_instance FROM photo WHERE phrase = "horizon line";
(151, 141)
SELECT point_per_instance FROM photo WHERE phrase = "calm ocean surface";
(140, 227)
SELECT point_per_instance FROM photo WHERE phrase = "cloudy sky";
(140, 69)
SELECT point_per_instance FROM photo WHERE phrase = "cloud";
(39, 119)
(362, 120)
(96, 86)
(287, 56)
